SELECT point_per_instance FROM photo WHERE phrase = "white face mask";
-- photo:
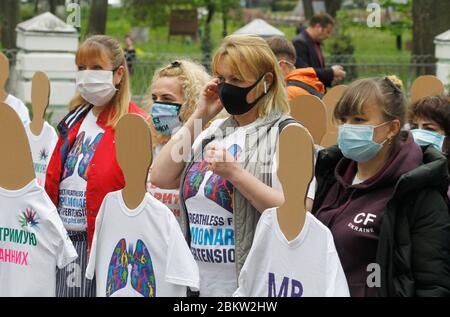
(96, 86)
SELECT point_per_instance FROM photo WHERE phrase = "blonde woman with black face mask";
(230, 178)
(83, 168)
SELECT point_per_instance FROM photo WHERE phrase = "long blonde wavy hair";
(106, 48)
(192, 78)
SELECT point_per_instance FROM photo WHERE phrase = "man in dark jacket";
(309, 53)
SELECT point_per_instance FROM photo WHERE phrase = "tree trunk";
(399, 42)
(52, 5)
(10, 9)
(206, 41)
(224, 20)
(430, 18)
(225, 25)
(36, 7)
(308, 9)
(332, 7)
(97, 17)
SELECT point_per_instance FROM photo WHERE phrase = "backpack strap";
(313, 91)
(285, 123)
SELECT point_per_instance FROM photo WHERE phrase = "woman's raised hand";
(209, 104)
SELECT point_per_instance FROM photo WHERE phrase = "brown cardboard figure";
(4, 75)
(295, 172)
(16, 165)
(134, 155)
(40, 94)
(425, 86)
(311, 112)
(331, 99)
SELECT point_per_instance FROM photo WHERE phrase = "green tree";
(156, 13)
(430, 18)
(399, 19)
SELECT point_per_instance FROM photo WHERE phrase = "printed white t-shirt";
(140, 252)
(72, 189)
(307, 266)
(19, 107)
(33, 242)
(42, 147)
(169, 197)
(209, 202)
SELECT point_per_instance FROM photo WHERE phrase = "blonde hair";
(192, 78)
(250, 56)
(106, 49)
(396, 81)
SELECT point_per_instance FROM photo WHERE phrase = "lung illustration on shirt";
(84, 147)
(217, 188)
(141, 275)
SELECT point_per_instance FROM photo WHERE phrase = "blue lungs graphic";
(87, 149)
(142, 275)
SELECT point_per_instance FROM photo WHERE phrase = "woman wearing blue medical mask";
(429, 119)
(172, 97)
(384, 197)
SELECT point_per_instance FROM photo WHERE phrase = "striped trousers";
(71, 281)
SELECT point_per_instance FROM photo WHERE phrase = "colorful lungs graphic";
(72, 157)
(194, 179)
(217, 188)
(142, 275)
(86, 149)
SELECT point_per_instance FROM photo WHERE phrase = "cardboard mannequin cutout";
(311, 112)
(40, 94)
(4, 75)
(425, 86)
(331, 99)
(16, 165)
(134, 155)
(295, 172)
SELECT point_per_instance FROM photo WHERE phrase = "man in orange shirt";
(300, 81)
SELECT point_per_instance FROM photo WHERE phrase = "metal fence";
(405, 67)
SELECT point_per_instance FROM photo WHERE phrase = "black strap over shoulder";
(313, 91)
(285, 123)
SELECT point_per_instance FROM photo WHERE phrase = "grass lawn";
(367, 42)
(372, 47)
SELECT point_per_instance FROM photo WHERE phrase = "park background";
(403, 44)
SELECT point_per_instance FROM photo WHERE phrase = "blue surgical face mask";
(424, 137)
(165, 116)
(356, 142)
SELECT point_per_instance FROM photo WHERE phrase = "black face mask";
(234, 98)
